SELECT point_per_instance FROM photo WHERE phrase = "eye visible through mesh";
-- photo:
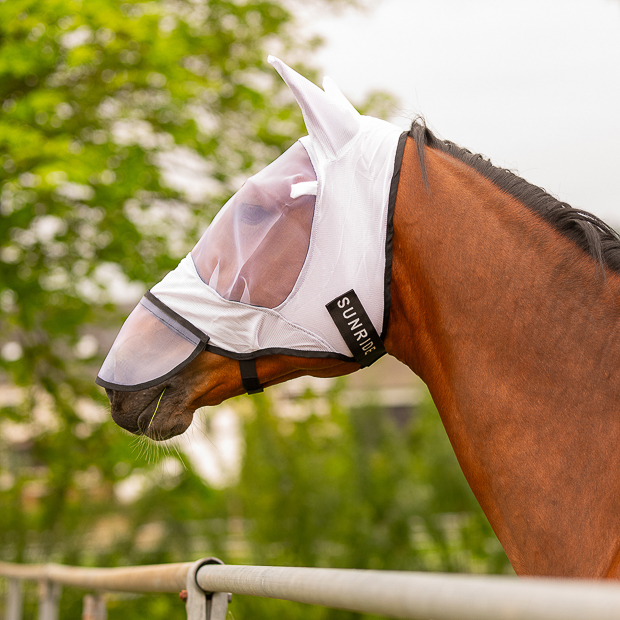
(255, 248)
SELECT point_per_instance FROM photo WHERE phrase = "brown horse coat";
(517, 334)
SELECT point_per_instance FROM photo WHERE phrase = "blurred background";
(124, 127)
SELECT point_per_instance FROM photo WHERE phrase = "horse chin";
(159, 413)
(165, 424)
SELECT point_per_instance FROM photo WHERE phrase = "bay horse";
(506, 302)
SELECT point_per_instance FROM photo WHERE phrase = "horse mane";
(589, 232)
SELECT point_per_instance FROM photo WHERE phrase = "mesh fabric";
(257, 244)
(149, 346)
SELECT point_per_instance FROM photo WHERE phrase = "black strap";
(389, 233)
(356, 328)
(249, 377)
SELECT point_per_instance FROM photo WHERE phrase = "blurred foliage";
(347, 488)
(357, 488)
(107, 108)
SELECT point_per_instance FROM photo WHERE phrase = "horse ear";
(330, 119)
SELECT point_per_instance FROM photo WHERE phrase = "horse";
(506, 303)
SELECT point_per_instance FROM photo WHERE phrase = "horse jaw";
(166, 410)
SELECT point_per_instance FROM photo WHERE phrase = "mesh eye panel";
(255, 248)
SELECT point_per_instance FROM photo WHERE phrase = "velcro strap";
(356, 328)
(304, 188)
(249, 377)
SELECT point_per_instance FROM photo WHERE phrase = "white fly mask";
(297, 262)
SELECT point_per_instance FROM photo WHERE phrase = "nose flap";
(153, 344)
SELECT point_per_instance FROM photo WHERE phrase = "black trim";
(249, 376)
(224, 353)
(275, 351)
(387, 297)
(177, 317)
(143, 386)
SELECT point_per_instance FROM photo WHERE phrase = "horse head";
(292, 277)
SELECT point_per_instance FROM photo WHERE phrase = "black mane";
(589, 232)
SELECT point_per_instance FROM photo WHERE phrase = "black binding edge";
(249, 376)
(224, 353)
(177, 317)
(387, 297)
(278, 351)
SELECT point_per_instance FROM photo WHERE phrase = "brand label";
(356, 328)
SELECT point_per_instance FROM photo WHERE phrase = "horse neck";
(516, 335)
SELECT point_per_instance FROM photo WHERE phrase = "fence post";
(203, 605)
(14, 601)
(94, 607)
(49, 597)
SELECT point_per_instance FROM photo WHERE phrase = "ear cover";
(335, 94)
(330, 119)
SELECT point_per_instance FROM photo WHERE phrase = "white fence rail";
(414, 596)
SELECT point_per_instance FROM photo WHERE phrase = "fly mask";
(297, 262)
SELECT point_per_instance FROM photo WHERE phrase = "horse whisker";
(156, 408)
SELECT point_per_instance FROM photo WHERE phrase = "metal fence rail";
(157, 578)
(413, 596)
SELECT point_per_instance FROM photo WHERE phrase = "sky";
(532, 84)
